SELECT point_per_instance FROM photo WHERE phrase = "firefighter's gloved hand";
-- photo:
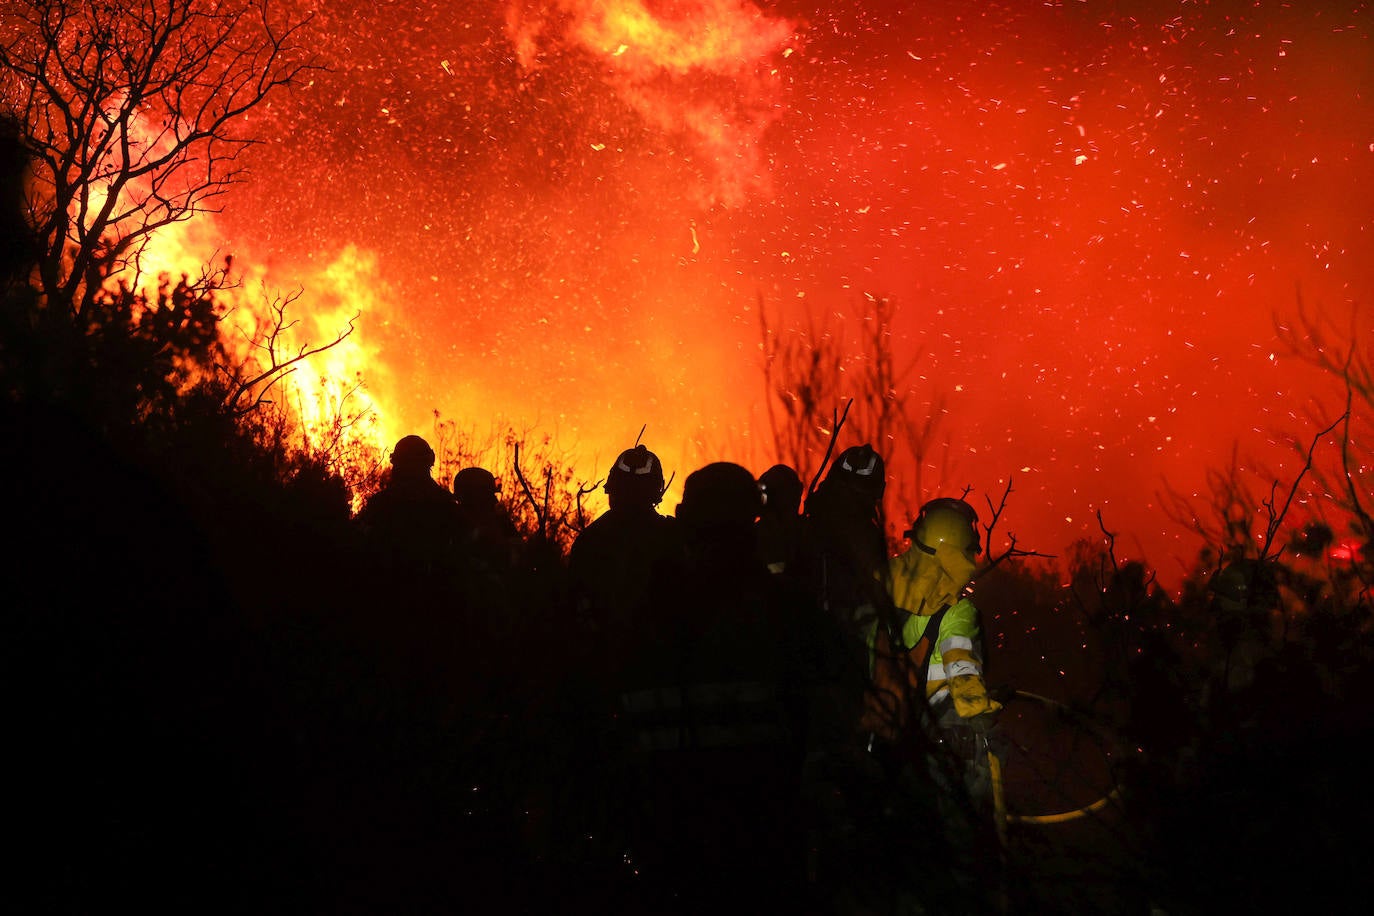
(971, 700)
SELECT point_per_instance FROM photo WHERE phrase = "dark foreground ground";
(243, 722)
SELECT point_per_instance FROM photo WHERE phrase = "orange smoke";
(701, 69)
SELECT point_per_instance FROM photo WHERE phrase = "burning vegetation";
(256, 250)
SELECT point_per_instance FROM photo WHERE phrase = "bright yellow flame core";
(335, 396)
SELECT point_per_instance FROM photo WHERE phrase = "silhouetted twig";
(836, 424)
(1276, 519)
(1012, 550)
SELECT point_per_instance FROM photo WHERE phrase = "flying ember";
(584, 218)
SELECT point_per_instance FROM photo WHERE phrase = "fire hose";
(1004, 817)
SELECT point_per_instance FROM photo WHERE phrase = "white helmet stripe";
(647, 469)
(864, 471)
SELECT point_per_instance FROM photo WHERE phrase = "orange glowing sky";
(1088, 213)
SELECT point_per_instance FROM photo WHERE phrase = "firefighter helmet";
(475, 485)
(720, 495)
(860, 470)
(946, 521)
(780, 489)
(636, 477)
(412, 453)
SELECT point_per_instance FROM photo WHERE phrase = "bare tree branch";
(1347, 460)
(1012, 550)
(257, 376)
(836, 424)
(1276, 520)
(540, 516)
(584, 490)
(1320, 341)
(130, 109)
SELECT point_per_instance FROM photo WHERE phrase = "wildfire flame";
(337, 396)
(566, 212)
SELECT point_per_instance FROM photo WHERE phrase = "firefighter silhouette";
(842, 551)
(488, 538)
(411, 524)
(612, 561)
(714, 713)
(779, 524)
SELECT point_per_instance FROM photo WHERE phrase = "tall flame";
(338, 395)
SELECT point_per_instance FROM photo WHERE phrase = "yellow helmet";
(946, 521)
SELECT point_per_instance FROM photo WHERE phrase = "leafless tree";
(1223, 518)
(801, 375)
(1323, 488)
(1344, 353)
(131, 109)
(813, 373)
(131, 112)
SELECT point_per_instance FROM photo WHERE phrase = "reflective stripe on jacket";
(957, 650)
(958, 647)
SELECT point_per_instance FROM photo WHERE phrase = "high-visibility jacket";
(895, 671)
(956, 650)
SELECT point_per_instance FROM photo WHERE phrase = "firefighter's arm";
(963, 666)
(960, 664)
